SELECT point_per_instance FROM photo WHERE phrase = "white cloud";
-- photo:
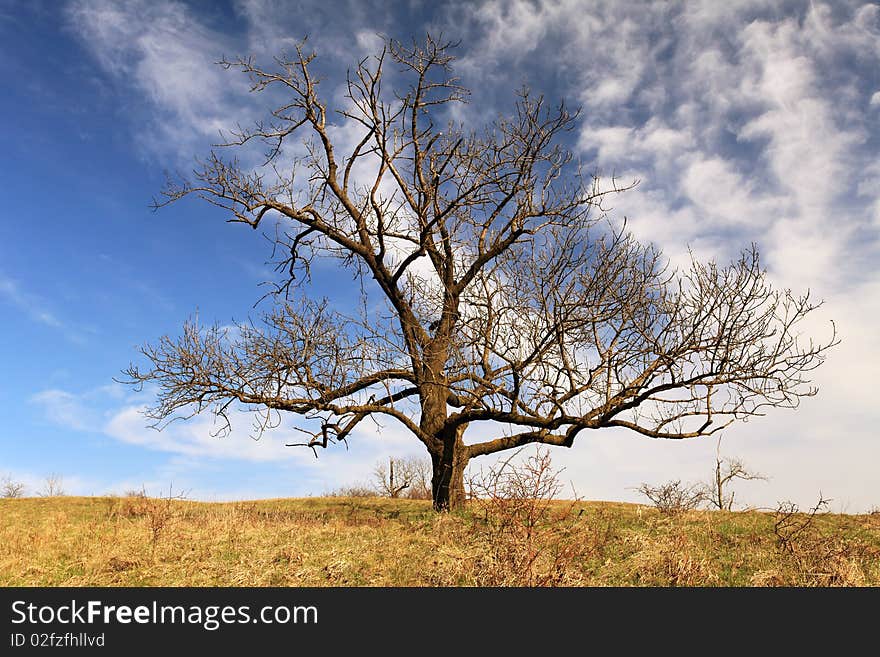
(664, 142)
(724, 197)
(756, 146)
(806, 151)
(194, 446)
(613, 142)
(64, 409)
(163, 50)
(196, 437)
(337, 29)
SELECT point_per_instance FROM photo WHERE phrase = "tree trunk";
(447, 483)
(449, 454)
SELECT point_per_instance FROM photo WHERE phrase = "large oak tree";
(497, 295)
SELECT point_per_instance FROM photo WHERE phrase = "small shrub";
(674, 497)
(527, 540)
(791, 524)
(813, 558)
(355, 490)
(159, 512)
(727, 470)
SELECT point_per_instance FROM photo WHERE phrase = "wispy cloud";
(739, 119)
(162, 50)
(65, 409)
(119, 414)
(37, 309)
(33, 306)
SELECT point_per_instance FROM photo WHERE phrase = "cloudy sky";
(744, 121)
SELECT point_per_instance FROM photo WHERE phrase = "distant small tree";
(726, 471)
(52, 486)
(10, 488)
(407, 477)
(420, 475)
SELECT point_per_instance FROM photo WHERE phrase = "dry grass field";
(136, 541)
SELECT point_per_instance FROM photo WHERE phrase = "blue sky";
(744, 121)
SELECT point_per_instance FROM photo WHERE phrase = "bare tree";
(726, 471)
(420, 475)
(10, 488)
(406, 477)
(386, 481)
(53, 486)
(496, 295)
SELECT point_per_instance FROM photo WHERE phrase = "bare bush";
(10, 488)
(408, 477)
(674, 497)
(815, 559)
(353, 490)
(53, 486)
(790, 524)
(530, 539)
(159, 512)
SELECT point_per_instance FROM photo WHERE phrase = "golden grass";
(75, 541)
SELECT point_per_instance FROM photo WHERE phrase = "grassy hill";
(111, 541)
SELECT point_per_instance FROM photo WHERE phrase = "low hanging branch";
(496, 294)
